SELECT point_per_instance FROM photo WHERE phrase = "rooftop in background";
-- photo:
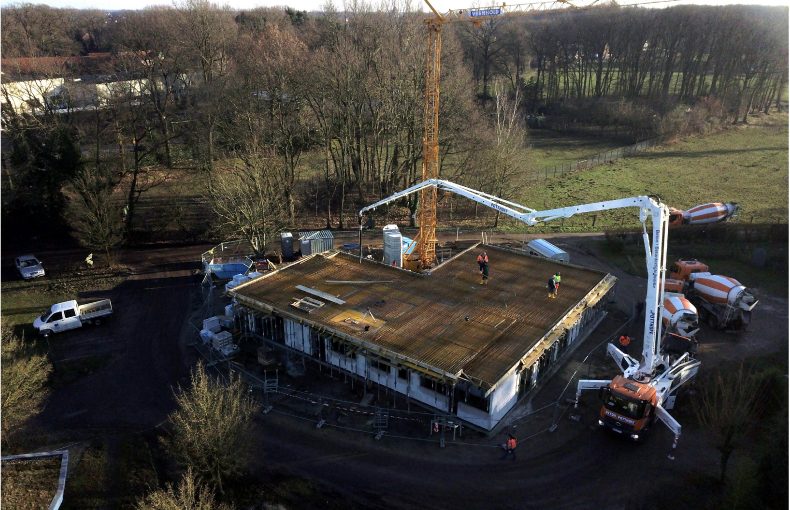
(57, 67)
(445, 320)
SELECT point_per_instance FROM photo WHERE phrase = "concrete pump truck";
(647, 389)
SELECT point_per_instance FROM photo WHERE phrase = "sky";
(316, 5)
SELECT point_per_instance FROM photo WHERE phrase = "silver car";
(29, 267)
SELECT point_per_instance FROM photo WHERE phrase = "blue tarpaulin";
(407, 246)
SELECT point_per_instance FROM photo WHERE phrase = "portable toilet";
(543, 248)
(287, 245)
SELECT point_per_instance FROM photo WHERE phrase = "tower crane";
(424, 254)
(647, 389)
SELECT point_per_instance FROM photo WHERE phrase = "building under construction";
(441, 339)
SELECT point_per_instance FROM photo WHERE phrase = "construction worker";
(552, 288)
(484, 272)
(510, 446)
(482, 259)
(625, 341)
(557, 279)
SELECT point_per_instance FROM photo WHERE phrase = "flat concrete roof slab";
(446, 320)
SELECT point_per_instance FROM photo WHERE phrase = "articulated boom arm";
(655, 251)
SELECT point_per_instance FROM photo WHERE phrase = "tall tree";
(93, 213)
(247, 199)
(210, 431)
(205, 33)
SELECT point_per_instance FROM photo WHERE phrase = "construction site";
(244, 270)
(442, 339)
(467, 335)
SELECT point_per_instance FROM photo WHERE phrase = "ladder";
(380, 422)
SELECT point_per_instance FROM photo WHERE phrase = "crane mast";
(430, 141)
(424, 254)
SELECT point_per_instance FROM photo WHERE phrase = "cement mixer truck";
(713, 212)
(722, 301)
(679, 315)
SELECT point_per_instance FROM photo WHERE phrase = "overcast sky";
(317, 5)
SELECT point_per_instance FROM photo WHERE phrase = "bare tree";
(189, 494)
(211, 429)
(95, 217)
(726, 407)
(504, 158)
(205, 33)
(25, 377)
(154, 55)
(248, 199)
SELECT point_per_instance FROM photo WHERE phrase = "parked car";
(29, 267)
(70, 315)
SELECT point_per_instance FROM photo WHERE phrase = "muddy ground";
(144, 352)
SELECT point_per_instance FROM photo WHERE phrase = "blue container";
(227, 270)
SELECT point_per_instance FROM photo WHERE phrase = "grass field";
(549, 148)
(744, 164)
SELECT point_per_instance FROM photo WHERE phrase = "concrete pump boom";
(655, 251)
(656, 368)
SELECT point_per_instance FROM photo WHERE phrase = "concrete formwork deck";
(446, 320)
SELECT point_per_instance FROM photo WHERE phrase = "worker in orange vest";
(510, 446)
(625, 341)
(482, 259)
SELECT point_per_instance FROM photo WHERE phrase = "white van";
(543, 248)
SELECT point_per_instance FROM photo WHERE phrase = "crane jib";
(485, 12)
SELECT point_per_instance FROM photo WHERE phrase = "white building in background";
(30, 96)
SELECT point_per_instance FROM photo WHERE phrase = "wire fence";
(600, 158)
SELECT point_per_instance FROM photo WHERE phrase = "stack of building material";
(221, 339)
(212, 324)
(213, 334)
(205, 336)
(223, 343)
(210, 327)
(236, 281)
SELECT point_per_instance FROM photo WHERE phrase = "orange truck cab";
(677, 286)
(676, 217)
(628, 407)
(681, 269)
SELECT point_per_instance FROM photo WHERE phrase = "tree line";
(278, 108)
(737, 54)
